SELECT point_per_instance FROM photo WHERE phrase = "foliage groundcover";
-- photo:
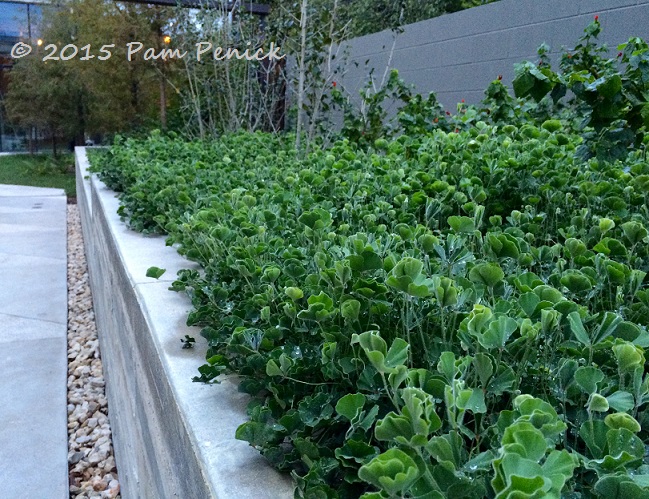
(443, 315)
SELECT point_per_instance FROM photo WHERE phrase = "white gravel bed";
(90, 451)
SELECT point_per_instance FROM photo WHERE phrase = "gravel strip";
(90, 451)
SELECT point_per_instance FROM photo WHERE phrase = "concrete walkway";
(33, 345)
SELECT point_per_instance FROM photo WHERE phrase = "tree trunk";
(163, 102)
(302, 74)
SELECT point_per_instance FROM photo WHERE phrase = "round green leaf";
(294, 293)
(350, 405)
(393, 471)
(622, 420)
(597, 403)
(488, 274)
(461, 224)
(350, 309)
(587, 378)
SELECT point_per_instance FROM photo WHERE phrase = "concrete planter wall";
(172, 437)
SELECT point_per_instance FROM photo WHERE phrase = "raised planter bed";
(172, 437)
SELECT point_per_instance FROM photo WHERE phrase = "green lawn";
(39, 170)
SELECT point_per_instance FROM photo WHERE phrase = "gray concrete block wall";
(458, 55)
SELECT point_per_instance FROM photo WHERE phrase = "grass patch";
(39, 170)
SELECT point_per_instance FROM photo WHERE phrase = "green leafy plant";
(610, 106)
(440, 314)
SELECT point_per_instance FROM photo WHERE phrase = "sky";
(13, 18)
